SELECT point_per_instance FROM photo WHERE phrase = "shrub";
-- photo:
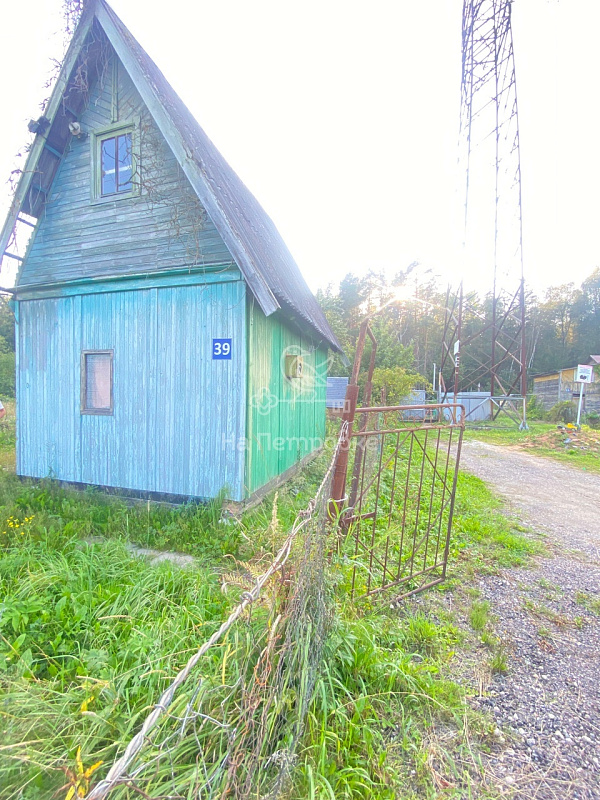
(566, 411)
(593, 420)
(393, 385)
(7, 374)
(535, 408)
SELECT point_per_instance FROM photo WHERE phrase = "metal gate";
(395, 527)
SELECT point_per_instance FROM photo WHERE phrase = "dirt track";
(560, 501)
(548, 704)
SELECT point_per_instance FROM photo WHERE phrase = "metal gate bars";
(397, 516)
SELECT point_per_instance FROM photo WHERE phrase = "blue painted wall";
(149, 277)
(178, 414)
(163, 228)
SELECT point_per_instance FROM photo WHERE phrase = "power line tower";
(484, 344)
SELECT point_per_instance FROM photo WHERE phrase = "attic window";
(97, 382)
(113, 163)
(116, 164)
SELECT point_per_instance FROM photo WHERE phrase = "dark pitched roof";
(261, 254)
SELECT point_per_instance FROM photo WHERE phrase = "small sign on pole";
(584, 374)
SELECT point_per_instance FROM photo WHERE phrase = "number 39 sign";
(221, 349)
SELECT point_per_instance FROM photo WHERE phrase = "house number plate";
(221, 349)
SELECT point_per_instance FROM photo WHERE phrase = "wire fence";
(229, 723)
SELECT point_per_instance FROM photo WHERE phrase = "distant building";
(336, 392)
(560, 385)
(166, 341)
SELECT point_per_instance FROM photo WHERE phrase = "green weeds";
(499, 662)
(479, 614)
(198, 529)
(372, 705)
(588, 601)
(90, 636)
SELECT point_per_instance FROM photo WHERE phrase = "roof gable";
(162, 226)
(268, 267)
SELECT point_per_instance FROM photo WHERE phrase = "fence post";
(338, 488)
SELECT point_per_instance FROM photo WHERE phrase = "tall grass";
(371, 705)
(197, 528)
(90, 636)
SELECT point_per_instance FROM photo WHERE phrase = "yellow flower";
(80, 781)
(86, 702)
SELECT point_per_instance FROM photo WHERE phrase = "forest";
(562, 326)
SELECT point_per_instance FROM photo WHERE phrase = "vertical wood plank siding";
(178, 414)
(162, 228)
(180, 417)
(286, 416)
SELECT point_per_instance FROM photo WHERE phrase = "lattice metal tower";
(484, 344)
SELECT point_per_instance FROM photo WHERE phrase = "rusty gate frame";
(412, 431)
(435, 416)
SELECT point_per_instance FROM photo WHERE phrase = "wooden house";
(166, 340)
(559, 386)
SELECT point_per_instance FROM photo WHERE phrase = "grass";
(483, 539)
(90, 636)
(588, 601)
(479, 615)
(8, 438)
(499, 662)
(577, 448)
(505, 431)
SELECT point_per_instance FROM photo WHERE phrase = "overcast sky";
(342, 118)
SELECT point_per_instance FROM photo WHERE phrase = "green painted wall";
(286, 416)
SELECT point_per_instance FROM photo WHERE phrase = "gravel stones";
(548, 703)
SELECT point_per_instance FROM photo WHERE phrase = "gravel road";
(547, 706)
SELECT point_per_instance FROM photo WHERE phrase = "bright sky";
(342, 118)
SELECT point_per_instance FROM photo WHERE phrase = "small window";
(97, 382)
(116, 164)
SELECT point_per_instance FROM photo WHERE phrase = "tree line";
(562, 325)
(562, 328)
